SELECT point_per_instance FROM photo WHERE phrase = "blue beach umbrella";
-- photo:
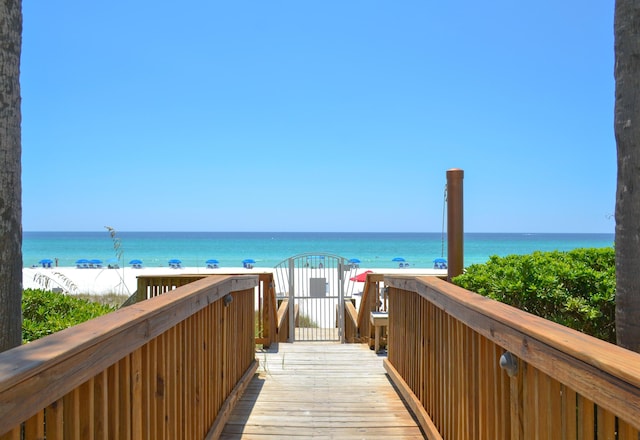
(212, 261)
(82, 261)
(135, 262)
(174, 261)
(354, 261)
(440, 263)
(95, 261)
(398, 259)
(249, 261)
(46, 262)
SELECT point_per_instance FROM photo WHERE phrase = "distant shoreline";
(316, 232)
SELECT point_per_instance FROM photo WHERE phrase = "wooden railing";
(351, 334)
(170, 367)
(446, 346)
(370, 303)
(150, 286)
(283, 321)
(357, 325)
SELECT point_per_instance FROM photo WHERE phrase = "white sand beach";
(102, 281)
(123, 281)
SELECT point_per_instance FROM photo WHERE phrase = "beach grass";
(110, 299)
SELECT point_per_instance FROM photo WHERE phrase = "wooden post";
(455, 223)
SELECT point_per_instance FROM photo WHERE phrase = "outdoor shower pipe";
(455, 223)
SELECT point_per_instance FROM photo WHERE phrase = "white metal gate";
(315, 285)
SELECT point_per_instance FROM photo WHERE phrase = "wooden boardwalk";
(321, 391)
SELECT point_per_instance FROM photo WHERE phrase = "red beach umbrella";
(361, 278)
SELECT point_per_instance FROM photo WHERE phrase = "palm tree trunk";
(627, 131)
(10, 175)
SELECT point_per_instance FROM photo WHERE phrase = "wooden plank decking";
(321, 391)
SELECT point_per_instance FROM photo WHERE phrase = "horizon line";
(314, 232)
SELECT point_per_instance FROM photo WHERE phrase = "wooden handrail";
(352, 313)
(351, 331)
(608, 358)
(283, 311)
(282, 331)
(274, 320)
(54, 371)
(149, 286)
(451, 339)
(368, 304)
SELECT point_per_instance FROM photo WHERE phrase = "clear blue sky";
(317, 115)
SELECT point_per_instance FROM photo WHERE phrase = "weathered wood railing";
(283, 321)
(445, 349)
(351, 333)
(357, 325)
(150, 286)
(370, 303)
(169, 367)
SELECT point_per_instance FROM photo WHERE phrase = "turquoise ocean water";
(374, 250)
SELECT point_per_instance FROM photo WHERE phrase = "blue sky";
(317, 115)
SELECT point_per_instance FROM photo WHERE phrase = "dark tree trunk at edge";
(10, 175)
(627, 131)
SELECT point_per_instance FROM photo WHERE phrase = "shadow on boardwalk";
(324, 391)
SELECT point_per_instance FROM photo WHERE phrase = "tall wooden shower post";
(455, 223)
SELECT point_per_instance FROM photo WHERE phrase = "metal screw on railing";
(509, 363)
(228, 299)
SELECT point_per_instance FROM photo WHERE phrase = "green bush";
(45, 312)
(575, 288)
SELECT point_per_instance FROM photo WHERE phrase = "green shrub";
(45, 312)
(575, 288)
